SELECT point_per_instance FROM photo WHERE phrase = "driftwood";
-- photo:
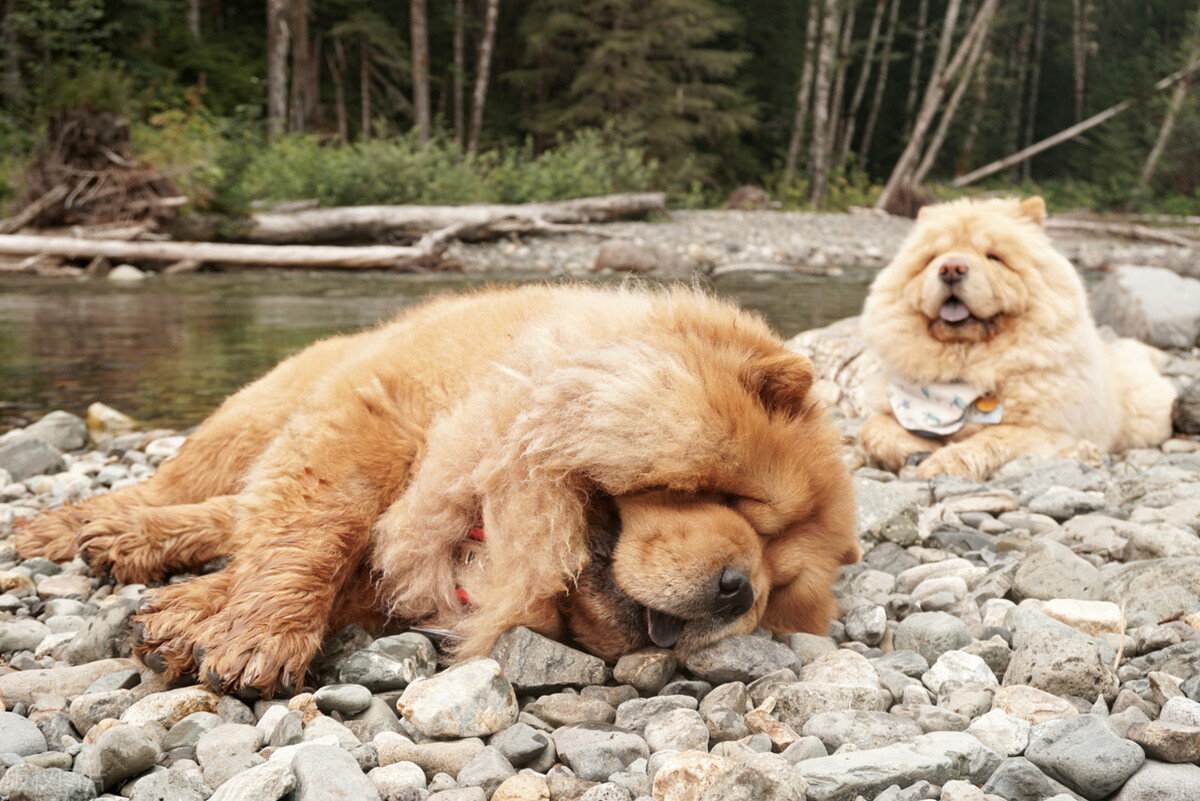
(1139, 233)
(440, 223)
(27, 215)
(390, 256)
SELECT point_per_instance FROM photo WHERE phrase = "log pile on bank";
(394, 237)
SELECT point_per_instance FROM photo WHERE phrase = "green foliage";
(643, 67)
(587, 96)
(230, 173)
(852, 187)
(102, 86)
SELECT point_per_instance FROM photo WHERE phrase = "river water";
(167, 350)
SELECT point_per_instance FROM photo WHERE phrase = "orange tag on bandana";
(986, 404)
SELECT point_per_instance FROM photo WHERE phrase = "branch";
(1074, 131)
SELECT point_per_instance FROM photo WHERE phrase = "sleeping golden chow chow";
(990, 351)
(612, 468)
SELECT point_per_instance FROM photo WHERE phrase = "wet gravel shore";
(1029, 637)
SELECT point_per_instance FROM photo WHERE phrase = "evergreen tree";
(650, 69)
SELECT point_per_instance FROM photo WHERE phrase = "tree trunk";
(939, 137)
(483, 66)
(980, 109)
(914, 77)
(277, 72)
(1035, 82)
(1080, 28)
(885, 62)
(420, 68)
(301, 56)
(836, 119)
(364, 85)
(1016, 104)
(826, 52)
(1067, 134)
(933, 94)
(337, 68)
(804, 93)
(1168, 123)
(860, 87)
(193, 18)
(460, 71)
(13, 90)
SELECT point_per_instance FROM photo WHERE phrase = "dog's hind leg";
(212, 462)
(148, 543)
(302, 533)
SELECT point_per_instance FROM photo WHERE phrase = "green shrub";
(398, 170)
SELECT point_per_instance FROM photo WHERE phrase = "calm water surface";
(167, 350)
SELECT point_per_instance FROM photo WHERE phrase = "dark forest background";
(826, 103)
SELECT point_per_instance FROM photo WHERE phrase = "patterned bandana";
(935, 410)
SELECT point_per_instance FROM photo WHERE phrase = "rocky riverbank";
(1036, 636)
(721, 241)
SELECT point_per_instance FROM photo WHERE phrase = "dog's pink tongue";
(664, 629)
(954, 311)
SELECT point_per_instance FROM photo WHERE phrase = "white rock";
(1001, 732)
(126, 272)
(961, 667)
(1090, 617)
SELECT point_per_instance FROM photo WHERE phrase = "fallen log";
(392, 223)
(1132, 231)
(390, 256)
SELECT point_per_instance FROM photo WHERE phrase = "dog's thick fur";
(1029, 340)
(623, 449)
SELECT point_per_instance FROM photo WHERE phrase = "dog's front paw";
(253, 667)
(168, 627)
(51, 535)
(117, 544)
(957, 460)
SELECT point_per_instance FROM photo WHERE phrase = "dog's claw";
(137, 634)
(154, 660)
(248, 693)
(915, 459)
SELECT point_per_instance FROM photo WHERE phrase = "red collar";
(475, 532)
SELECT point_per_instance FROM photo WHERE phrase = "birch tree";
(301, 67)
(860, 87)
(885, 61)
(1168, 123)
(277, 58)
(420, 71)
(460, 72)
(1035, 82)
(483, 66)
(934, 92)
(1080, 28)
(948, 113)
(193, 18)
(839, 82)
(804, 93)
(826, 53)
(914, 75)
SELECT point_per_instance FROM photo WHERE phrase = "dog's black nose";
(952, 271)
(735, 596)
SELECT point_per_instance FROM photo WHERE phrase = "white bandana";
(938, 409)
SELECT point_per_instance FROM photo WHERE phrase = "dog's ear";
(1034, 208)
(781, 381)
